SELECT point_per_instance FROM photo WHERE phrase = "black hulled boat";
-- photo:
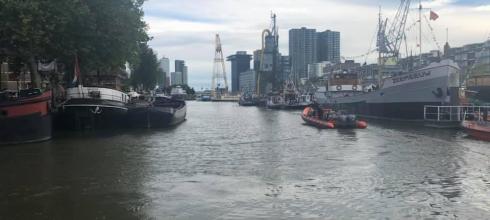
(93, 107)
(158, 111)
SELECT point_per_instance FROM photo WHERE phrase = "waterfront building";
(4, 76)
(240, 62)
(185, 76)
(179, 66)
(164, 65)
(247, 81)
(176, 78)
(302, 51)
(328, 46)
(316, 70)
(182, 69)
(285, 68)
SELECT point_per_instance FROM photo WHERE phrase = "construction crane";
(219, 71)
(262, 73)
(389, 40)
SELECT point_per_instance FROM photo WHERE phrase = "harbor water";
(232, 162)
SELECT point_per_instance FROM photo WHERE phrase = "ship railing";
(451, 113)
(97, 93)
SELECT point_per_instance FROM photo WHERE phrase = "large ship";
(400, 94)
(398, 97)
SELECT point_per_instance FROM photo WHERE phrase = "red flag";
(76, 71)
(433, 15)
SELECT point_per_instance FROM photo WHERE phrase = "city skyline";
(188, 33)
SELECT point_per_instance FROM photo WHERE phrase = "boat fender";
(354, 87)
(361, 124)
(330, 125)
(339, 87)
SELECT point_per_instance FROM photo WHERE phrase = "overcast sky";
(185, 29)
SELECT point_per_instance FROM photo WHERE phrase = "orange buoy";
(361, 124)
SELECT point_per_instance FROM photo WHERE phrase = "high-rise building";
(176, 78)
(328, 46)
(181, 68)
(240, 62)
(302, 51)
(184, 76)
(164, 65)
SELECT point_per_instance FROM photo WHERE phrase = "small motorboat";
(330, 119)
(479, 128)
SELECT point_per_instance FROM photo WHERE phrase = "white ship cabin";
(347, 83)
(98, 93)
(178, 93)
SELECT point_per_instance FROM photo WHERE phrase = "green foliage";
(103, 33)
(146, 73)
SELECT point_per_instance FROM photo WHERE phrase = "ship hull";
(402, 97)
(92, 114)
(477, 130)
(400, 111)
(25, 129)
(26, 120)
(155, 117)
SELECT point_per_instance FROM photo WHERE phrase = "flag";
(76, 71)
(433, 15)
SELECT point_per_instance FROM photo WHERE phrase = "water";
(231, 162)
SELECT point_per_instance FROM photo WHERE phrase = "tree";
(104, 34)
(146, 72)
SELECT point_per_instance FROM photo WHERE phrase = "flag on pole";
(76, 71)
(433, 15)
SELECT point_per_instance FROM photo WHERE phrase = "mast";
(420, 31)
(380, 64)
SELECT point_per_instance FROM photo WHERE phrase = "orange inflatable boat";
(330, 119)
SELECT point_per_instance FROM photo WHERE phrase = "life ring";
(354, 87)
(339, 87)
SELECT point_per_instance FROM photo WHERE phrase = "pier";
(449, 116)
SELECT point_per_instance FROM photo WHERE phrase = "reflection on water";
(232, 162)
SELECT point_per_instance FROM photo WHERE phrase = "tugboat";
(329, 119)
(247, 100)
(289, 99)
(158, 111)
(25, 116)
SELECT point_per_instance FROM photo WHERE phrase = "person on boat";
(318, 110)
